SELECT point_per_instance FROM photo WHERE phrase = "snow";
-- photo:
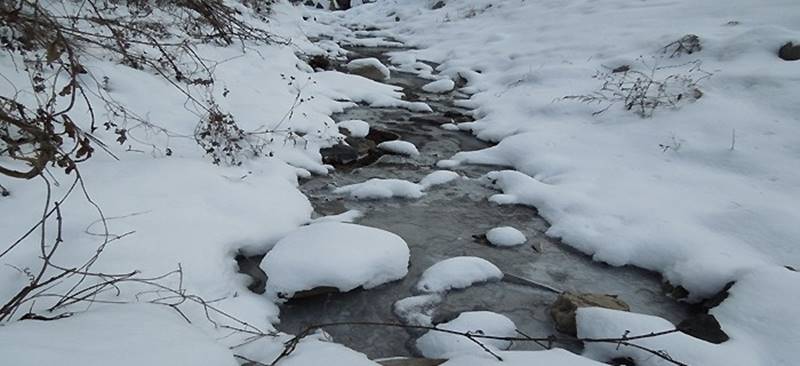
(435, 344)
(417, 310)
(357, 128)
(315, 352)
(144, 334)
(384, 188)
(505, 236)
(332, 254)
(450, 127)
(378, 188)
(457, 273)
(438, 177)
(369, 62)
(399, 147)
(439, 86)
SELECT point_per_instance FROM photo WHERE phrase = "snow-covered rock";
(332, 254)
(399, 147)
(450, 127)
(417, 310)
(356, 127)
(505, 236)
(435, 344)
(438, 177)
(457, 273)
(370, 68)
(439, 86)
(378, 188)
(315, 352)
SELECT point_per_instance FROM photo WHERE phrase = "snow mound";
(356, 127)
(145, 334)
(332, 254)
(399, 147)
(505, 236)
(417, 310)
(435, 344)
(438, 177)
(457, 273)
(450, 127)
(439, 86)
(315, 352)
(553, 357)
(372, 63)
(377, 188)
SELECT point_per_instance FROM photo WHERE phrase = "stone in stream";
(789, 52)
(705, 327)
(563, 309)
(339, 154)
(370, 68)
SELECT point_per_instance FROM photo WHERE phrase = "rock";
(314, 292)
(318, 62)
(379, 136)
(407, 361)
(339, 154)
(789, 52)
(623, 68)
(340, 4)
(563, 309)
(249, 265)
(705, 327)
(438, 5)
(622, 361)
(363, 146)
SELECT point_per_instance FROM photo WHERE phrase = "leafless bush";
(645, 89)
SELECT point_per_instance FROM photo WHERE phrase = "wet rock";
(370, 68)
(339, 154)
(378, 136)
(314, 292)
(458, 116)
(705, 327)
(249, 265)
(363, 146)
(676, 292)
(319, 62)
(340, 4)
(438, 5)
(717, 299)
(405, 361)
(623, 68)
(622, 361)
(789, 52)
(563, 309)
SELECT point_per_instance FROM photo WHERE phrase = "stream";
(447, 222)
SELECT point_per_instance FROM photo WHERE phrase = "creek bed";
(443, 224)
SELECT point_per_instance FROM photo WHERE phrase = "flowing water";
(443, 224)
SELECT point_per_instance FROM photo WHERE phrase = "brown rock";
(563, 309)
(705, 327)
(789, 52)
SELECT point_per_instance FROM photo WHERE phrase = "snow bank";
(435, 344)
(124, 335)
(315, 352)
(399, 147)
(553, 357)
(357, 128)
(505, 236)
(439, 86)
(344, 256)
(378, 188)
(457, 273)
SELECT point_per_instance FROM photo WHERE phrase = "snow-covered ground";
(705, 193)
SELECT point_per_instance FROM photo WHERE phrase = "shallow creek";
(443, 224)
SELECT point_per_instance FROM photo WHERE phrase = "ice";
(357, 128)
(435, 344)
(439, 86)
(331, 254)
(505, 236)
(457, 273)
(399, 147)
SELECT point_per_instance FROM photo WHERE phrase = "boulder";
(563, 309)
(705, 327)
(789, 52)
(370, 68)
